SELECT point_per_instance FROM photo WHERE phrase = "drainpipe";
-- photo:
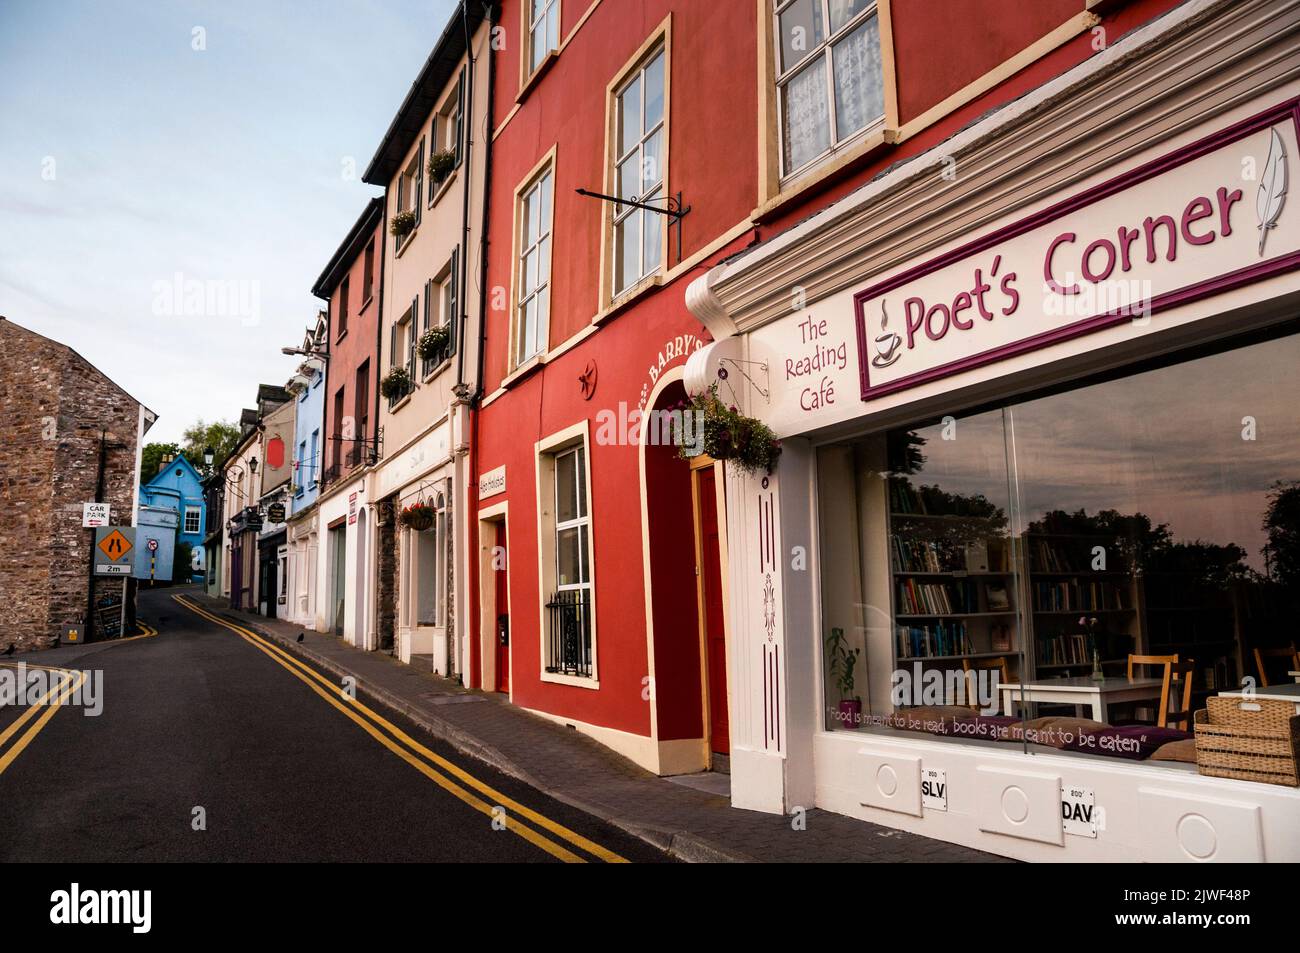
(471, 491)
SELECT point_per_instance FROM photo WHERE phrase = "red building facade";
(586, 325)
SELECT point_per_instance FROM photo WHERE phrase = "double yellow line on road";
(43, 709)
(424, 760)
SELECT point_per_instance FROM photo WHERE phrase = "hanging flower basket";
(433, 342)
(396, 384)
(730, 435)
(440, 165)
(402, 224)
(418, 516)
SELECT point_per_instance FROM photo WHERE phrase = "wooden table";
(1286, 693)
(1082, 692)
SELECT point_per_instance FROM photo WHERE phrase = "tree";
(1282, 523)
(151, 458)
(220, 435)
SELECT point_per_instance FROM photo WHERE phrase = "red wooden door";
(715, 641)
(499, 563)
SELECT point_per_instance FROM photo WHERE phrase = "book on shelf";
(1068, 649)
(937, 598)
(997, 597)
(977, 556)
(928, 641)
(1000, 637)
(1077, 595)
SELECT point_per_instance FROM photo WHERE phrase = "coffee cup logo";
(887, 342)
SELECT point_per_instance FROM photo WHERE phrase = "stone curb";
(680, 844)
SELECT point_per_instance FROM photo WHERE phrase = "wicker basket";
(1252, 741)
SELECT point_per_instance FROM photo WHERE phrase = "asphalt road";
(199, 724)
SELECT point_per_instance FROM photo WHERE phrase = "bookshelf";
(952, 583)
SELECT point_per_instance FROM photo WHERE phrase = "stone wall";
(386, 571)
(59, 409)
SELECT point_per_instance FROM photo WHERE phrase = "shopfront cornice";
(1164, 79)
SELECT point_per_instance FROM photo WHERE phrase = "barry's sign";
(1208, 217)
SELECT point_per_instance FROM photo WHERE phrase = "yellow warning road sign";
(114, 545)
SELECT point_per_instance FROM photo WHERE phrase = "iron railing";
(568, 630)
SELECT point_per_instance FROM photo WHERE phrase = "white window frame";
(197, 513)
(630, 213)
(549, 21)
(548, 451)
(823, 52)
(521, 352)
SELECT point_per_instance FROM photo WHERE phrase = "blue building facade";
(178, 486)
(308, 389)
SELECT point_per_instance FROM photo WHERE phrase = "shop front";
(1035, 503)
(420, 483)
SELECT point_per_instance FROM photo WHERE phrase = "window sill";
(442, 187)
(576, 681)
(828, 172)
(641, 289)
(531, 82)
(342, 335)
(365, 304)
(437, 369)
(394, 408)
(405, 243)
(523, 370)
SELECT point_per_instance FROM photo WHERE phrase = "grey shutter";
(425, 363)
(419, 191)
(460, 116)
(453, 316)
(410, 344)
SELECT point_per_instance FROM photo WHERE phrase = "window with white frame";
(532, 313)
(640, 144)
(447, 136)
(569, 649)
(830, 84)
(193, 519)
(543, 30)
(401, 348)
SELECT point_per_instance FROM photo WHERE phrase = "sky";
(216, 146)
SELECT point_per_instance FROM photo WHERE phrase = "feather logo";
(1272, 188)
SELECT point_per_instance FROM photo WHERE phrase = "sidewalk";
(690, 823)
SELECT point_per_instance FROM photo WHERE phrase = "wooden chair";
(998, 664)
(1287, 651)
(1176, 672)
(1165, 661)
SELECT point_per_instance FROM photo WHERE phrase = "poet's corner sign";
(1178, 228)
(114, 549)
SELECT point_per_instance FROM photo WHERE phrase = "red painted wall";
(713, 160)
(355, 347)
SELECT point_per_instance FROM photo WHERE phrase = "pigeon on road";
(301, 636)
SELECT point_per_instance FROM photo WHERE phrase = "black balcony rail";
(331, 474)
(568, 616)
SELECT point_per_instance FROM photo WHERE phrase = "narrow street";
(198, 717)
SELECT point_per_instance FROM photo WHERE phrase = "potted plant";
(433, 342)
(841, 660)
(418, 516)
(402, 224)
(730, 435)
(440, 165)
(396, 384)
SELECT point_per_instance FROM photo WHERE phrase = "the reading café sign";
(1208, 217)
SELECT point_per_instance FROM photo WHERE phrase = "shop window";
(533, 281)
(1042, 575)
(640, 161)
(564, 512)
(829, 77)
(430, 569)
